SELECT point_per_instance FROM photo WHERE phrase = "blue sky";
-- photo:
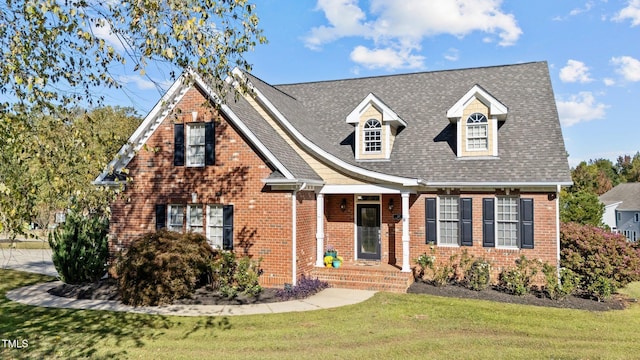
(592, 48)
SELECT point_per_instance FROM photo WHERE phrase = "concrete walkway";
(39, 261)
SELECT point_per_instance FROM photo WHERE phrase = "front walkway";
(39, 261)
(37, 295)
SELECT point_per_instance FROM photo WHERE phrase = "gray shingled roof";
(531, 147)
(274, 142)
(628, 193)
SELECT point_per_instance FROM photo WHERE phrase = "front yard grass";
(393, 326)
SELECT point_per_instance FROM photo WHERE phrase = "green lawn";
(388, 326)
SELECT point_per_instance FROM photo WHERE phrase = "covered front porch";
(368, 225)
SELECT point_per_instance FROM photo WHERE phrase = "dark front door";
(368, 222)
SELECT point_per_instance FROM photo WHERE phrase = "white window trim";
(189, 225)
(517, 222)
(364, 137)
(484, 124)
(210, 226)
(188, 146)
(169, 224)
(439, 221)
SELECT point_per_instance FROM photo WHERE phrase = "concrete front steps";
(366, 276)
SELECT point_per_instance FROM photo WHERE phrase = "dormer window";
(372, 136)
(376, 127)
(476, 116)
(477, 132)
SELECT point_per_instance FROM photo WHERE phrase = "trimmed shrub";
(604, 261)
(517, 281)
(558, 289)
(478, 275)
(79, 248)
(161, 267)
(232, 276)
(305, 288)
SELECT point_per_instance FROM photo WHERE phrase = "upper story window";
(195, 144)
(636, 217)
(372, 136)
(477, 132)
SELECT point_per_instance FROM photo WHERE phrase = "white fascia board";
(361, 189)
(388, 115)
(309, 145)
(496, 108)
(134, 144)
(243, 127)
(495, 184)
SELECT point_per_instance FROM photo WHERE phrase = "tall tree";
(629, 167)
(581, 207)
(55, 53)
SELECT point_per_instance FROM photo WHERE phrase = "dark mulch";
(107, 289)
(616, 302)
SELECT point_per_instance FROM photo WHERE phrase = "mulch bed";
(108, 290)
(616, 302)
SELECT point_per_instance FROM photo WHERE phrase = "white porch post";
(320, 230)
(406, 267)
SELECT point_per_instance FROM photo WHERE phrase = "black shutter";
(466, 229)
(227, 227)
(488, 223)
(178, 144)
(161, 216)
(526, 223)
(209, 144)
(430, 226)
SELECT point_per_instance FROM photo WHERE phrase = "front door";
(368, 223)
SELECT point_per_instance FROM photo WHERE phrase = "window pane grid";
(477, 132)
(372, 136)
(507, 221)
(195, 144)
(195, 218)
(449, 220)
(215, 226)
(176, 217)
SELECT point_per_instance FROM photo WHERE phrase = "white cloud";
(632, 12)
(143, 83)
(102, 30)
(609, 82)
(385, 58)
(628, 67)
(580, 108)
(452, 55)
(401, 26)
(575, 71)
(578, 11)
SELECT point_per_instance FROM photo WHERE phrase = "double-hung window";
(195, 144)
(215, 226)
(372, 136)
(477, 132)
(175, 220)
(507, 221)
(194, 218)
(449, 220)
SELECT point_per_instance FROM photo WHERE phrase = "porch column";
(320, 230)
(406, 266)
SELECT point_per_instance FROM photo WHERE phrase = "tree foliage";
(581, 207)
(56, 52)
(629, 167)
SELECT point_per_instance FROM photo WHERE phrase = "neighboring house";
(622, 210)
(383, 168)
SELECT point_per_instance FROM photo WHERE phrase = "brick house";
(383, 168)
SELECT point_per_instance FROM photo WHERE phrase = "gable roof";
(285, 161)
(531, 149)
(627, 194)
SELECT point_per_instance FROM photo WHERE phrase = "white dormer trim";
(388, 115)
(496, 108)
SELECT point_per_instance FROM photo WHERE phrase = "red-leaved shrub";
(604, 261)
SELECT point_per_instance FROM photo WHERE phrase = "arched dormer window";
(372, 136)
(477, 132)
